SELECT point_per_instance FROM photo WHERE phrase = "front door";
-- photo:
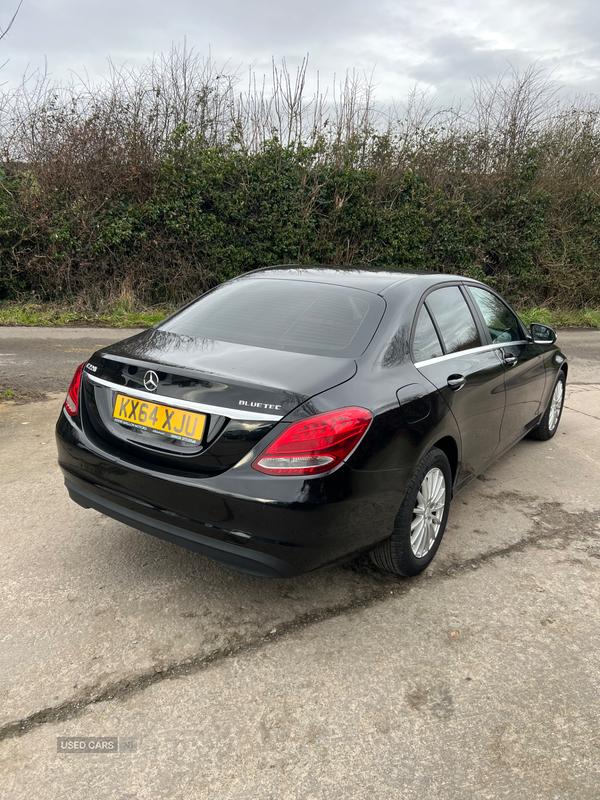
(525, 373)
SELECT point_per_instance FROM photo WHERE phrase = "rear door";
(525, 374)
(449, 349)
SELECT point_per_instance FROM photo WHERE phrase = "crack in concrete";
(577, 411)
(560, 528)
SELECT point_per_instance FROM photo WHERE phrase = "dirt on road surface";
(478, 679)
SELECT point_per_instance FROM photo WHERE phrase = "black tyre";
(549, 422)
(421, 520)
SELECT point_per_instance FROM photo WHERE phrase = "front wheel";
(421, 520)
(549, 422)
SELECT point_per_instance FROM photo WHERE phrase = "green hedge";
(204, 214)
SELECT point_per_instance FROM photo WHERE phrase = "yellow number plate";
(173, 422)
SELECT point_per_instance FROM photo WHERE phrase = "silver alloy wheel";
(428, 512)
(556, 405)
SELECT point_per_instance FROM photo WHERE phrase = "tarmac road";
(38, 360)
(479, 679)
(34, 361)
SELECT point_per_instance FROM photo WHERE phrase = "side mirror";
(542, 334)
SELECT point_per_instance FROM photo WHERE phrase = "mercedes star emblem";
(151, 381)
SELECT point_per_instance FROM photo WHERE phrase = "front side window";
(426, 343)
(499, 319)
(454, 319)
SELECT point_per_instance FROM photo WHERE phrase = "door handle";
(456, 382)
(509, 359)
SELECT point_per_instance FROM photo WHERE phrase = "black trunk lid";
(243, 391)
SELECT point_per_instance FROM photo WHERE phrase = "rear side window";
(499, 319)
(426, 343)
(298, 316)
(454, 319)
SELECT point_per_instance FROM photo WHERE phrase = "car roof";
(365, 278)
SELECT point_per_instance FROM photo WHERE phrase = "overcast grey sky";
(438, 44)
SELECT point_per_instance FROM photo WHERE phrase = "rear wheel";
(549, 422)
(421, 520)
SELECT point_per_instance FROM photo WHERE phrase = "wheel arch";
(449, 447)
(564, 367)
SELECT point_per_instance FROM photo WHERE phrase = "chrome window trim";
(175, 402)
(471, 350)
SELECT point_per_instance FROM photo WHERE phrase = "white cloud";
(442, 44)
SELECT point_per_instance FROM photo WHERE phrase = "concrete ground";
(478, 679)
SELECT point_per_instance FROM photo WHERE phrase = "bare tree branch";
(4, 31)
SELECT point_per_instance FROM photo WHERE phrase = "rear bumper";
(227, 553)
(265, 526)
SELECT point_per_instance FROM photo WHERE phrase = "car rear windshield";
(299, 316)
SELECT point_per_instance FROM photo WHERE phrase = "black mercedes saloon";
(295, 417)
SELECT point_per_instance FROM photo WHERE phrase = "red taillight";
(72, 399)
(314, 445)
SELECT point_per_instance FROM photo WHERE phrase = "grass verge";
(53, 314)
(588, 318)
(136, 315)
